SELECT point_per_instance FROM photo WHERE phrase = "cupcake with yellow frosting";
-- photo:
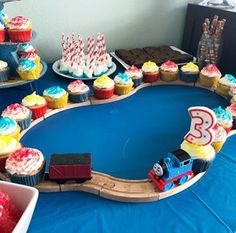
(37, 104)
(56, 97)
(220, 138)
(28, 70)
(209, 76)
(33, 56)
(189, 73)
(169, 71)
(19, 113)
(9, 127)
(150, 72)
(8, 145)
(123, 84)
(202, 155)
(78, 91)
(225, 84)
(103, 87)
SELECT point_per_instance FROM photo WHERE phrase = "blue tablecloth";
(157, 116)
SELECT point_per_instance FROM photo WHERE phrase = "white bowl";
(25, 198)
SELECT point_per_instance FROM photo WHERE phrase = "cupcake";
(20, 114)
(202, 156)
(7, 145)
(78, 91)
(32, 56)
(123, 84)
(26, 166)
(37, 104)
(150, 72)
(28, 70)
(56, 97)
(135, 74)
(233, 99)
(2, 32)
(4, 71)
(189, 73)
(103, 87)
(232, 91)
(169, 71)
(224, 119)
(220, 138)
(19, 29)
(25, 48)
(9, 127)
(232, 111)
(209, 76)
(225, 84)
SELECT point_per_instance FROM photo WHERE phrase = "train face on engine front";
(175, 167)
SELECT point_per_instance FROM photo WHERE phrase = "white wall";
(126, 23)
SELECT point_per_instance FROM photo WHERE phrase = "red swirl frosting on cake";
(78, 87)
(134, 72)
(30, 55)
(169, 66)
(19, 22)
(16, 111)
(211, 71)
(25, 161)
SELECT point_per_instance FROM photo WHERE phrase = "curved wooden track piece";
(105, 185)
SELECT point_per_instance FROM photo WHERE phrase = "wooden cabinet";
(193, 31)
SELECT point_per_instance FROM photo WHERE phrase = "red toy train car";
(65, 167)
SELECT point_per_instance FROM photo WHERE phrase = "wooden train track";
(107, 186)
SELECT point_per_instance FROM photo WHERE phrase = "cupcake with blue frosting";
(28, 70)
(224, 118)
(56, 97)
(9, 127)
(123, 84)
(225, 84)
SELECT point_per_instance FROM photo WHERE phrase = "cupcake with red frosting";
(220, 137)
(19, 29)
(78, 91)
(26, 166)
(37, 104)
(2, 32)
(169, 71)
(25, 48)
(225, 84)
(19, 113)
(135, 74)
(210, 76)
(150, 72)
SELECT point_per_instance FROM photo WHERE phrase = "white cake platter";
(56, 64)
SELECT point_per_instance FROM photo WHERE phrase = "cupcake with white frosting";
(135, 74)
(19, 113)
(26, 166)
(169, 71)
(78, 91)
(56, 97)
(225, 84)
(4, 71)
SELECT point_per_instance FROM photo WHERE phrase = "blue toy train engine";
(175, 167)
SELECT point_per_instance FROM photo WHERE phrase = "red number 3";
(201, 131)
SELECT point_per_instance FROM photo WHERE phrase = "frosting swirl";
(78, 87)
(26, 65)
(16, 112)
(228, 80)
(3, 65)
(7, 126)
(198, 152)
(224, 119)
(169, 66)
(220, 133)
(232, 110)
(25, 161)
(30, 55)
(104, 82)
(150, 66)
(123, 79)
(54, 92)
(25, 47)
(33, 100)
(134, 72)
(19, 23)
(232, 91)
(210, 71)
(190, 68)
(8, 144)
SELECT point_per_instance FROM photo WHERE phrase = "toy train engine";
(175, 167)
(65, 167)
